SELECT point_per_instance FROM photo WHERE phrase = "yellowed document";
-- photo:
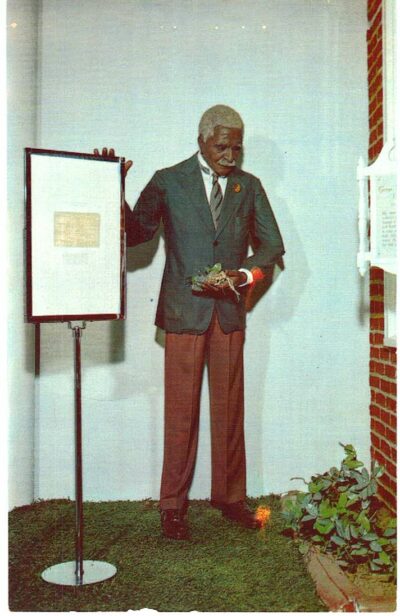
(76, 230)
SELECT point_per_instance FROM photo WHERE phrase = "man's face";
(222, 150)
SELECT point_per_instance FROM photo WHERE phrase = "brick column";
(382, 359)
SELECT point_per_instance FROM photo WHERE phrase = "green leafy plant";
(214, 275)
(341, 515)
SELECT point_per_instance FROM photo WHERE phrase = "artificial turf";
(223, 567)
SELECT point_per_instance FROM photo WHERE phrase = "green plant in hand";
(340, 515)
(214, 275)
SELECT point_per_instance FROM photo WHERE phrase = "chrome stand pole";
(77, 333)
(78, 572)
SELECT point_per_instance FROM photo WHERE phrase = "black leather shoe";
(173, 524)
(238, 513)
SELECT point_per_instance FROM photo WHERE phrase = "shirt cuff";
(249, 275)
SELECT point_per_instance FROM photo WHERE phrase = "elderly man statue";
(211, 211)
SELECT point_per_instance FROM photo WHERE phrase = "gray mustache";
(226, 163)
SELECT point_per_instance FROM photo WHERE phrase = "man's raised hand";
(111, 152)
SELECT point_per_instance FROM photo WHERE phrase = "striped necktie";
(215, 199)
(216, 196)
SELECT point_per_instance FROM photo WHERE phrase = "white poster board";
(75, 236)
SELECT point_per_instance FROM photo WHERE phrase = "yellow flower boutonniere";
(237, 188)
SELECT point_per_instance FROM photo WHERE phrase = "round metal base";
(64, 574)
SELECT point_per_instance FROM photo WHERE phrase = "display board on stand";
(75, 272)
(74, 236)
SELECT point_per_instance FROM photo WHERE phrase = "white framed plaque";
(75, 236)
(383, 220)
(378, 241)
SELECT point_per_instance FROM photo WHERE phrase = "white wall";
(22, 114)
(136, 75)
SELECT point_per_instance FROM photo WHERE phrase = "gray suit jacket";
(177, 196)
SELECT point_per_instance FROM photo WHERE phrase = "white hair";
(219, 115)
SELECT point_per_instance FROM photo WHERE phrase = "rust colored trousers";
(185, 358)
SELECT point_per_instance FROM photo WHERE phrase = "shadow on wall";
(137, 258)
(29, 346)
(363, 304)
(271, 304)
(282, 306)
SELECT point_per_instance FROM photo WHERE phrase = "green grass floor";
(223, 568)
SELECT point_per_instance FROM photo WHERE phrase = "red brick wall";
(382, 359)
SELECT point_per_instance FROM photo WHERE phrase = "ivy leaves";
(338, 515)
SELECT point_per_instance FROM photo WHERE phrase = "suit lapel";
(194, 188)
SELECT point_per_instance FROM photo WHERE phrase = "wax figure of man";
(210, 209)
